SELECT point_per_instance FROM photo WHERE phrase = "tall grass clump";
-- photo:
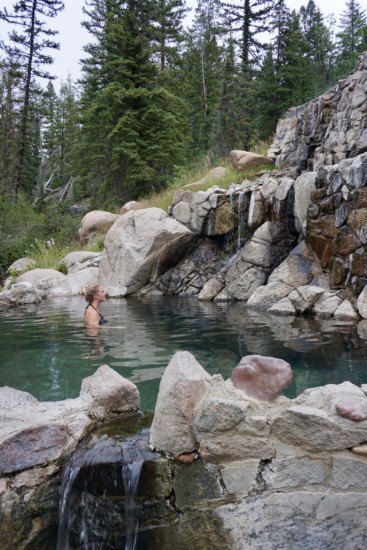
(196, 178)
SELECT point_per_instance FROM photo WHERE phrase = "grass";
(49, 254)
(188, 181)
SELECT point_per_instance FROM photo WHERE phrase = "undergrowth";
(49, 234)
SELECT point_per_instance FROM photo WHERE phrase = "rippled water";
(47, 351)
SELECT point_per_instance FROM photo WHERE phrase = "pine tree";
(203, 66)
(133, 128)
(270, 100)
(27, 56)
(168, 33)
(60, 136)
(8, 129)
(352, 38)
(318, 34)
(249, 22)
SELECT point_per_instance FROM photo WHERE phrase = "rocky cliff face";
(328, 129)
(268, 242)
(303, 224)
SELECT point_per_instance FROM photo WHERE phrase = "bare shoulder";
(91, 317)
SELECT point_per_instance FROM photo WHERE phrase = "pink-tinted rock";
(32, 447)
(354, 409)
(262, 377)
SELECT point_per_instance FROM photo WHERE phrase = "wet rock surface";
(35, 440)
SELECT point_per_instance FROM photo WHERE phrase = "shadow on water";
(46, 350)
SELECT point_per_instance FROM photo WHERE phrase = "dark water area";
(47, 351)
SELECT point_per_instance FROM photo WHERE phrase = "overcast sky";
(72, 36)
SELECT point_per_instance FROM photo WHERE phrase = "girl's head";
(93, 292)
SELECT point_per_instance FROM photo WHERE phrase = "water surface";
(47, 351)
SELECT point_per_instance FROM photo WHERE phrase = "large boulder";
(183, 383)
(110, 390)
(245, 159)
(97, 220)
(20, 294)
(71, 285)
(80, 259)
(303, 187)
(131, 205)
(139, 247)
(262, 377)
(300, 268)
(42, 278)
(21, 265)
(316, 430)
(217, 173)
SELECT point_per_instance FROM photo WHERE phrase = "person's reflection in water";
(94, 333)
(94, 295)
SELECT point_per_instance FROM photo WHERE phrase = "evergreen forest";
(156, 96)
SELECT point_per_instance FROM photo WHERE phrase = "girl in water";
(94, 294)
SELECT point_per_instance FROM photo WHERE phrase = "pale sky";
(72, 36)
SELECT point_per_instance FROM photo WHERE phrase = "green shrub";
(20, 225)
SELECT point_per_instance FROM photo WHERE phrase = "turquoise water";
(46, 350)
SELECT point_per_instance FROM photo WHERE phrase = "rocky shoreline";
(292, 242)
(253, 454)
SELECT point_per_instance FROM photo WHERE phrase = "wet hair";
(88, 291)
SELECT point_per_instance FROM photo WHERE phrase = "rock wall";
(336, 224)
(303, 461)
(328, 129)
(36, 438)
(264, 241)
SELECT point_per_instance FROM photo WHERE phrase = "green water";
(46, 350)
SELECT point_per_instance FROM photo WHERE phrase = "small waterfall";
(231, 222)
(241, 208)
(65, 511)
(131, 475)
(98, 505)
